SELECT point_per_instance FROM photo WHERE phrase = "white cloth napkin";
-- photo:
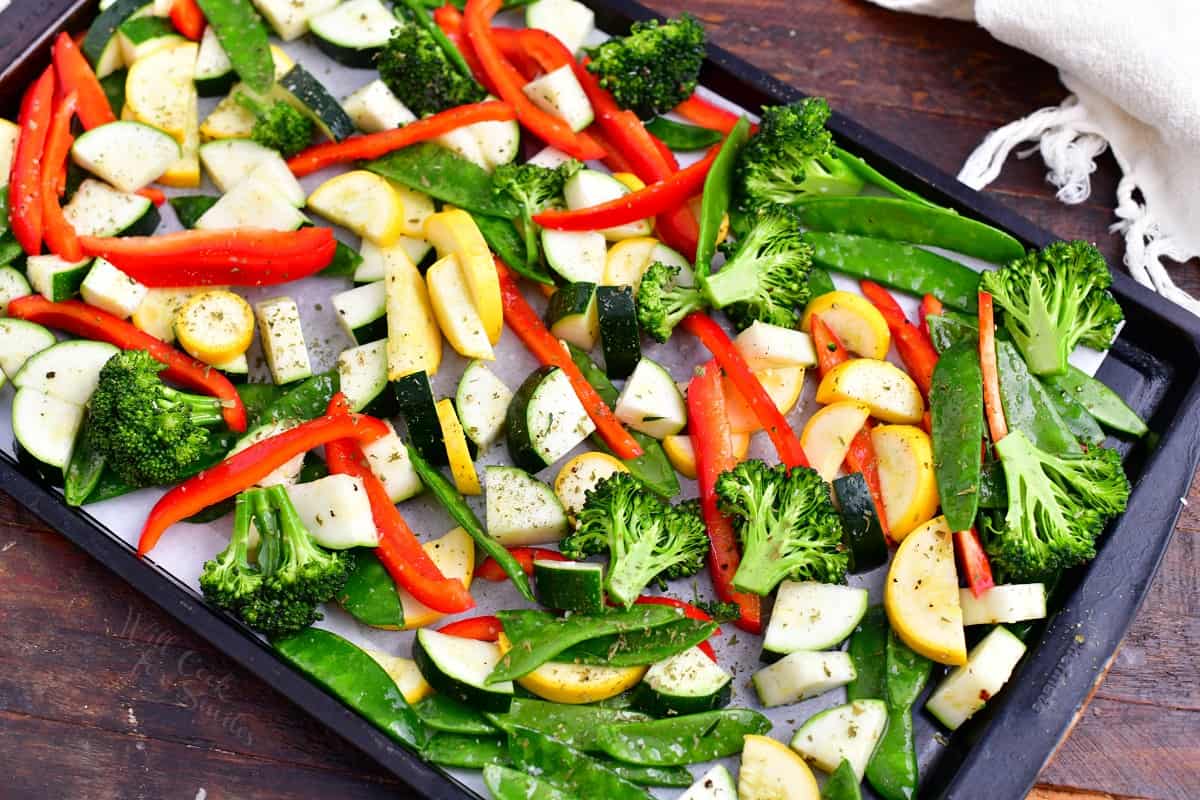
(1134, 72)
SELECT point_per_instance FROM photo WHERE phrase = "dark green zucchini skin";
(317, 102)
(860, 522)
(619, 338)
(414, 399)
(520, 443)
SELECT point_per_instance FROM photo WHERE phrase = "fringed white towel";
(1133, 69)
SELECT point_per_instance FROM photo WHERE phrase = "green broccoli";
(654, 68)
(230, 580)
(787, 524)
(1054, 299)
(662, 302)
(417, 70)
(646, 539)
(766, 279)
(278, 125)
(149, 433)
(534, 188)
(791, 158)
(1057, 506)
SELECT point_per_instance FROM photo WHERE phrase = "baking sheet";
(185, 548)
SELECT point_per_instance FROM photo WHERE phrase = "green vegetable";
(1101, 402)
(511, 784)
(506, 242)
(111, 485)
(676, 741)
(900, 266)
(421, 16)
(843, 784)
(639, 648)
(677, 777)
(868, 651)
(113, 85)
(1027, 405)
(533, 188)
(370, 592)
(189, 208)
(356, 679)
(903, 221)
(646, 538)
(662, 302)
(681, 136)
(537, 637)
(877, 179)
(576, 726)
(718, 189)
(956, 413)
(243, 37)
(866, 545)
(417, 69)
(892, 769)
(466, 751)
(1055, 299)
(85, 468)
(568, 768)
(306, 400)
(456, 505)
(792, 158)
(653, 69)
(1078, 420)
(947, 330)
(786, 522)
(1057, 506)
(992, 493)
(278, 125)
(819, 283)
(344, 263)
(440, 173)
(442, 713)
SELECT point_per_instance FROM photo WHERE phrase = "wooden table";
(103, 696)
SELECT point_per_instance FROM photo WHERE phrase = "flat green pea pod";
(897, 265)
(503, 240)
(445, 714)
(642, 647)
(570, 769)
(370, 592)
(1077, 418)
(110, 485)
(85, 468)
(243, 37)
(434, 170)
(956, 414)
(905, 221)
(466, 751)
(947, 330)
(819, 283)
(1105, 405)
(671, 777)
(510, 784)
(993, 492)
(353, 677)
(1027, 405)
(575, 726)
(843, 784)
(868, 651)
(907, 672)
(676, 741)
(306, 400)
(892, 769)
(860, 167)
(718, 189)
(681, 136)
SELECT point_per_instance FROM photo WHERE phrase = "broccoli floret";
(230, 580)
(662, 302)
(791, 158)
(654, 68)
(1057, 506)
(1054, 299)
(534, 188)
(767, 277)
(787, 524)
(417, 70)
(278, 125)
(646, 538)
(149, 433)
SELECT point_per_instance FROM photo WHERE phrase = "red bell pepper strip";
(915, 348)
(689, 611)
(490, 570)
(930, 307)
(374, 145)
(242, 257)
(973, 561)
(243, 470)
(712, 336)
(829, 348)
(398, 550)
(708, 425)
(548, 350)
(614, 158)
(75, 75)
(188, 19)
(701, 112)
(997, 424)
(655, 199)
(155, 196)
(477, 19)
(481, 629)
(59, 235)
(25, 181)
(90, 322)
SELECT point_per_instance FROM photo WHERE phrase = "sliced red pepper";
(449, 19)
(997, 424)
(75, 75)
(614, 158)
(489, 570)
(548, 350)
(915, 348)
(701, 112)
(930, 307)
(398, 550)
(155, 196)
(374, 145)
(477, 18)
(59, 235)
(654, 199)
(25, 179)
(708, 425)
(188, 19)
(973, 561)
(712, 336)
(829, 349)
(90, 322)
(245, 469)
(242, 257)
(481, 629)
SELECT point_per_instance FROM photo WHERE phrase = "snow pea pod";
(956, 414)
(897, 265)
(110, 485)
(85, 468)
(442, 713)
(503, 240)
(993, 493)
(682, 136)
(947, 330)
(307, 400)
(905, 221)
(1027, 405)
(1101, 402)
(575, 726)
(568, 768)
(677, 777)
(868, 651)
(718, 188)
(370, 592)
(641, 647)
(676, 741)
(843, 784)
(907, 672)
(434, 170)
(819, 283)
(1077, 418)
(511, 784)
(860, 167)
(892, 769)
(466, 751)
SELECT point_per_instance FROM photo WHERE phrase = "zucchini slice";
(336, 511)
(458, 668)
(686, 683)
(67, 371)
(414, 338)
(619, 338)
(588, 188)
(482, 401)
(12, 285)
(545, 420)
(214, 71)
(45, 427)
(374, 258)
(580, 475)
(767, 346)
(129, 155)
(802, 675)
(1004, 604)
(362, 312)
(289, 18)
(865, 541)
(813, 616)
(374, 108)
(572, 315)
(569, 20)
(651, 401)
(20, 340)
(522, 510)
(716, 784)
(143, 36)
(415, 398)
(97, 209)
(55, 279)
(283, 339)
(362, 375)
(310, 96)
(848, 732)
(353, 33)
(388, 458)
(559, 94)
(101, 44)
(252, 203)
(231, 161)
(455, 309)
(577, 256)
(968, 687)
(569, 585)
(111, 290)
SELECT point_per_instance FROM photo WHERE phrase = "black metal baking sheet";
(1154, 365)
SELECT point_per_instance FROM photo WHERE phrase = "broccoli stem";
(254, 106)
(530, 230)
(630, 571)
(300, 548)
(202, 410)
(762, 567)
(270, 549)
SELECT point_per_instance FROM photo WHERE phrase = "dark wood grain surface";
(104, 697)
